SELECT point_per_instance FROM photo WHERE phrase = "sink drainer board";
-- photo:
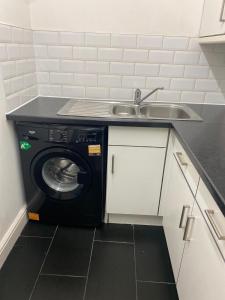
(110, 109)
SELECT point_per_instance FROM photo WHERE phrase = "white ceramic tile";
(133, 82)
(17, 35)
(47, 65)
(192, 97)
(155, 82)
(122, 68)
(21, 67)
(194, 44)
(8, 87)
(146, 69)
(5, 33)
(41, 51)
(203, 60)
(49, 90)
(97, 92)
(168, 96)
(110, 54)
(3, 52)
(121, 94)
(85, 79)
(206, 85)
(186, 58)
(29, 80)
(175, 43)
(46, 37)
(75, 66)
(13, 101)
(8, 69)
(73, 91)
(65, 52)
(196, 72)
(109, 81)
(182, 84)
(161, 56)
(97, 67)
(135, 55)
(85, 53)
(28, 36)
(30, 66)
(62, 78)
(14, 51)
(27, 51)
(43, 77)
(72, 38)
(97, 39)
(123, 40)
(149, 41)
(171, 70)
(17, 84)
(214, 98)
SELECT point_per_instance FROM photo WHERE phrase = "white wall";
(166, 17)
(15, 12)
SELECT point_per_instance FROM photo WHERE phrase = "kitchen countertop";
(203, 141)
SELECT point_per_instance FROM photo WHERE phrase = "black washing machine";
(64, 172)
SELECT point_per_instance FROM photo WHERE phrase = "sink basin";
(164, 111)
(124, 111)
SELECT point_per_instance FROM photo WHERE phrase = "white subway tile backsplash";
(161, 57)
(42, 77)
(73, 91)
(21, 67)
(135, 55)
(196, 72)
(71, 66)
(17, 35)
(155, 82)
(14, 51)
(149, 41)
(192, 97)
(85, 53)
(41, 51)
(168, 96)
(97, 67)
(62, 78)
(72, 38)
(175, 43)
(85, 79)
(133, 82)
(61, 52)
(97, 39)
(28, 36)
(194, 44)
(122, 68)
(3, 52)
(110, 54)
(8, 69)
(206, 85)
(123, 40)
(186, 58)
(97, 92)
(146, 69)
(121, 94)
(171, 70)
(29, 80)
(46, 37)
(5, 34)
(109, 80)
(50, 90)
(214, 98)
(182, 84)
(47, 65)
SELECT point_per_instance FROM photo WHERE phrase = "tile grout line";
(115, 242)
(36, 237)
(135, 266)
(43, 263)
(62, 275)
(156, 282)
(89, 265)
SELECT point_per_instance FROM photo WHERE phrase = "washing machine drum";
(61, 173)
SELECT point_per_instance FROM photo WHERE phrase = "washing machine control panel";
(85, 138)
(58, 136)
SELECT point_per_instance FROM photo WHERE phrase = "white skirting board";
(133, 219)
(12, 234)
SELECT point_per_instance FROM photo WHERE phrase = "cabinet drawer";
(213, 216)
(138, 136)
(187, 167)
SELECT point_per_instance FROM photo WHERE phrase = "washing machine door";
(61, 173)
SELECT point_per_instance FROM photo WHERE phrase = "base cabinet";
(202, 273)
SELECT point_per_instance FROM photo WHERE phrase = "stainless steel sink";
(113, 109)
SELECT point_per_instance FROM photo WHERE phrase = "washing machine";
(64, 172)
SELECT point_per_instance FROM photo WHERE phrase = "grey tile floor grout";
(113, 262)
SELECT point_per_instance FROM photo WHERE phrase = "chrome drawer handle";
(183, 220)
(188, 229)
(211, 214)
(113, 164)
(181, 159)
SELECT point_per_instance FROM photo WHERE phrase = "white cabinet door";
(177, 205)
(213, 18)
(134, 179)
(202, 274)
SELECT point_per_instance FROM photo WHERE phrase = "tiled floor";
(116, 262)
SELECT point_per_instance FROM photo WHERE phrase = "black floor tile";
(112, 272)
(59, 288)
(20, 271)
(70, 252)
(156, 291)
(38, 230)
(152, 257)
(115, 232)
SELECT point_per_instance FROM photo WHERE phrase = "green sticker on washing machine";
(25, 145)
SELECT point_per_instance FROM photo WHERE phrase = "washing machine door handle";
(83, 177)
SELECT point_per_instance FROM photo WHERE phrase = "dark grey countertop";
(204, 141)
